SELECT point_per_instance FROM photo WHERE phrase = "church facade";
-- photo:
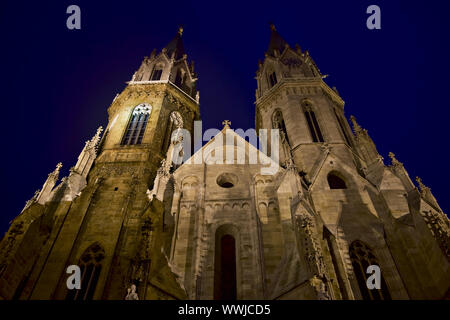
(135, 220)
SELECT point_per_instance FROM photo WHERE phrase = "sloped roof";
(276, 42)
(176, 45)
(264, 160)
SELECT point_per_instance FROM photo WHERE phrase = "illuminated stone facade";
(127, 216)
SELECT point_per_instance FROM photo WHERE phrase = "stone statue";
(132, 295)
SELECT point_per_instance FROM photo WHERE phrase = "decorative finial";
(99, 131)
(380, 159)
(423, 188)
(226, 123)
(419, 181)
(356, 126)
(272, 26)
(58, 166)
(391, 155)
(394, 160)
(180, 30)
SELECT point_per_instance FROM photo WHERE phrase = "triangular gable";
(199, 156)
(339, 165)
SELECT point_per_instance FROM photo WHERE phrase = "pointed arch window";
(225, 273)
(278, 123)
(361, 257)
(313, 125)
(90, 266)
(137, 124)
(156, 75)
(272, 79)
(335, 182)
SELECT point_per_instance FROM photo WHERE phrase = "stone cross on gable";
(226, 123)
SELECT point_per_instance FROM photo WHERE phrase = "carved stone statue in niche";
(132, 295)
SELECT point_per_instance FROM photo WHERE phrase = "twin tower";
(140, 227)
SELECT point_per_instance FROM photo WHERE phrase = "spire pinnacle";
(175, 46)
(276, 43)
(421, 185)
(356, 127)
(394, 160)
(272, 26)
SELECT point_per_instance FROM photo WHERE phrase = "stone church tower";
(222, 227)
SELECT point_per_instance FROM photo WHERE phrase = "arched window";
(175, 122)
(225, 273)
(313, 125)
(361, 257)
(278, 123)
(335, 182)
(272, 79)
(90, 267)
(136, 126)
(156, 75)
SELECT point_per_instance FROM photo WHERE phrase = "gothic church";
(135, 222)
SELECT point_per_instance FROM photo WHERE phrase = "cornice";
(299, 86)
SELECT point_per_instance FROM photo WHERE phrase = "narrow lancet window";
(361, 257)
(225, 274)
(272, 79)
(156, 74)
(278, 123)
(90, 266)
(313, 124)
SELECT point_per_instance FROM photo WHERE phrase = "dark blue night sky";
(57, 83)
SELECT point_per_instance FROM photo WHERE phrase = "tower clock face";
(292, 62)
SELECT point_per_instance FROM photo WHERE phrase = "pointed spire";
(57, 169)
(44, 194)
(276, 43)
(96, 138)
(176, 47)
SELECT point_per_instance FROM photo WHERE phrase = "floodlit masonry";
(144, 218)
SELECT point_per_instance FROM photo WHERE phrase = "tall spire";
(276, 41)
(176, 46)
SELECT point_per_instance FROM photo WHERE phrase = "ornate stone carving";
(320, 287)
(440, 228)
(132, 295)
(313, 254)
(395, 162)
(311, 245)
